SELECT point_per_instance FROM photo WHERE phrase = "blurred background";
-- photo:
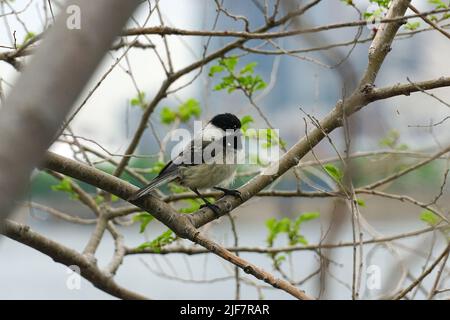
(312, 82)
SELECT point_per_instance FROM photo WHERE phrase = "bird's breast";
(207, 175)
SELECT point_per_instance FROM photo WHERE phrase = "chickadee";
(208, 161)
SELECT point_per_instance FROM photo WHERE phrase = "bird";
(208, 161)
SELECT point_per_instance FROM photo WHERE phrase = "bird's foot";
(230, 192)
(213, 207)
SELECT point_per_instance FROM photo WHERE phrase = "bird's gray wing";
(191, 155)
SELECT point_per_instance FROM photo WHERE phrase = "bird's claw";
(213, 207)
(230, 192)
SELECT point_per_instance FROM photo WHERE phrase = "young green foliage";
(381, 8)
(391, 140)
(290, 228)
(156, 167)
(30, 35)
(412, 25)
(184, 112)
(265, 137)
(162, 240)
(381, 3)
(244, 79)
(334, 172)
(175, 188)
(144, 218)
(99, 199)
(245, 123)
(360, 202)
(439, 4)
(193, 204)
(139, 100)
(430, 218)
(376, 14)
(433, 220)
(65, 185)
(167, 115)
(271, 137)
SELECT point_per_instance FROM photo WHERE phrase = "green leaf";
(271, 225)
(412, 25)
(378, 13)
(144, 218)
(188, 109)
(99, 199)
(114, 198)
(367, 15)
(30, 35)
(65, 185)
(156, 244)
(381, 3)
(229, 63)
(334, 172)
(157, 167)
(290, 228)
(194, 205)
(439, 4)
(249, 68)
(245, 122)
(284, 225)
(308, 216)
(360, 202)
(270, 136)
(279, 259)
(243, 80)
(215, 69)
(430, 218)
(167, 115)
(390, 140)
(174, 188)
(301, 239)
(260, 85)
(433, 18)
(139, 100)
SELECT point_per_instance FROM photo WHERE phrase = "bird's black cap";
(226, 121)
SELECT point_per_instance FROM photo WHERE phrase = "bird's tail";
(159, 180)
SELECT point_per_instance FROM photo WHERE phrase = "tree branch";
(37, 105)
(179, 223)
(68, 257)
(163, 30)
